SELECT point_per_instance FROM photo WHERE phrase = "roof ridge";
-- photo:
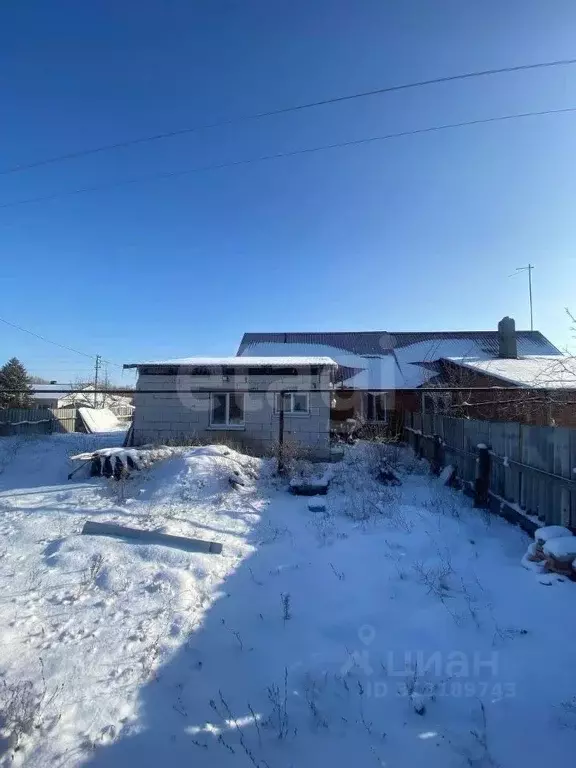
(491, 330)
(391, 333)
(305, 333)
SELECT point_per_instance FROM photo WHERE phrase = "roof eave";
(215, 366)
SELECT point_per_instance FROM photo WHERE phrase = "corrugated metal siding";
(542, 484)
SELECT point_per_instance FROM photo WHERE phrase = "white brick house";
(240, 397)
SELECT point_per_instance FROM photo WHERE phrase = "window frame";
(384, 396)
(227, 424)
(291, 411)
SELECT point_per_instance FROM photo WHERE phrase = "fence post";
(437, 458)
(482, 482)
(410, 432)
(418, 444)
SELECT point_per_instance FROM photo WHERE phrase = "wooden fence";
(533, 469)
(39, 421)
(47, 421)
(122, 412)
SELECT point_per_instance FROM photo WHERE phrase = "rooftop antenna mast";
(528, 269)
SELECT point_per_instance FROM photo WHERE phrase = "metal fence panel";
(562, 466)
(452, 433)
(572, 465)
(497, 469)
(512, 453)
(532, 467)
(536, 453)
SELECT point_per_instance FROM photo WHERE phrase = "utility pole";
(105, 386)
(529, 269)
(281, 465)
(96, 371)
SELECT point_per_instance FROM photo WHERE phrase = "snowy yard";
(395, 628)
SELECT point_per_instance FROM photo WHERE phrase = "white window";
(227, 409)
(376, 406)
(294, 403)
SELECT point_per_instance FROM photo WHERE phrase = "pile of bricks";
(555, 547)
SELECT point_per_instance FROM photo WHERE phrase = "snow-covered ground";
(395, 628)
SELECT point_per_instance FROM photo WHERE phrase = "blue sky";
(413, 233)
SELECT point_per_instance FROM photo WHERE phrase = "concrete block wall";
(181, 413)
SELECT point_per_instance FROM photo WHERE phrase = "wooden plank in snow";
(93, 528)
(311, 488)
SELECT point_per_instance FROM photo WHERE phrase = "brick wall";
(553, 407)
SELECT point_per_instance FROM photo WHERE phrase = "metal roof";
(51, 391)
(487, 340)
(384, 342)
(361, 343)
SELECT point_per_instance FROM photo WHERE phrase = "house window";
(294, 402)
(227, 410)
(375, 406)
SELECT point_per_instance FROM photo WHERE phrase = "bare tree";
(537, 402)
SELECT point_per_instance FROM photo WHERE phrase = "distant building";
(55, 395)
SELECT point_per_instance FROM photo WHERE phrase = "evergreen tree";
(13, 376)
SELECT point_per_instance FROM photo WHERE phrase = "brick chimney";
(507, 345)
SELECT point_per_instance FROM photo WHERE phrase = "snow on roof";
(383, 342)
(414, 359)
(100, 420)
(380, 360)
(378, 373)
(243, 362)
(54, 391)
(552, 372)
(358, 371)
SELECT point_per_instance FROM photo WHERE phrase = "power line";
(279, 155)
(49, 341)
(286, 110)
(500, 389)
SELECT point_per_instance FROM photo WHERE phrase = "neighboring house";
(121, 405)
(56, 395)
(236, 397)
(539, 390)
(51, 395)
(372, 361)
